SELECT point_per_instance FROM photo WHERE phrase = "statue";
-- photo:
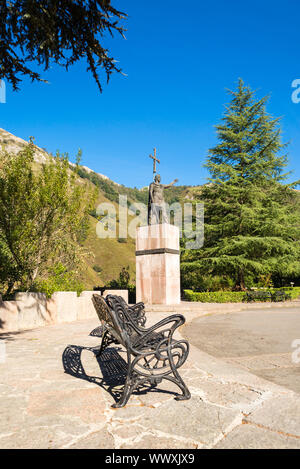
(156, 205)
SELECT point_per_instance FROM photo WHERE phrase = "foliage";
(97, 268)
(232, 297)
(195, 281)
(113, 190)
(56, 31)
(251, 218)
(43, 217)
(123, 283)
(214, 297)
(107, 186)
(93, 213)
(294, 292)
(59, 279)
(265, 281)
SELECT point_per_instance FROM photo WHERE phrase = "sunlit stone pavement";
(42, 406)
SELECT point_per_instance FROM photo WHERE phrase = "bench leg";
(130, 385)
(185, 391)
(179, 381)
(128, 389)
(104, 343)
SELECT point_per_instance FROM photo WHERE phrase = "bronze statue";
(156, 206)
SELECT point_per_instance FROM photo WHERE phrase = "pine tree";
(251, 217)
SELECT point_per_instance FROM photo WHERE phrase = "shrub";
(97, 268)
(59, 280)
(123, 283)
(214, 297)
(122, 240)
(197, 282)
(232, 297)
(293, 291)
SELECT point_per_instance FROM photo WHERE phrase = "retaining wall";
(31, 310)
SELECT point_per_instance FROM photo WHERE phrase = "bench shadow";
(112, 367)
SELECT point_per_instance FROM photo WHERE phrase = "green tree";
(43, 217)
(56, 31)
(58, 279)
(251, 217)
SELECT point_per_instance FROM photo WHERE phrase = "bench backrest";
(102, 310)
(136, 312)
(114, 314)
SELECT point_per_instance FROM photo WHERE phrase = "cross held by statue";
(155, 160)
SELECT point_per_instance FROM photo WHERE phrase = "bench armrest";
(158, 331)
(177, 319)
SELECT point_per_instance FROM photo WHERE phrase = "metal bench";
(276, 296)
(280, 295)
(258, 296)
(152, 353)
(137, 313)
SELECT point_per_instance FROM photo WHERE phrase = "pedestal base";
(158, 264)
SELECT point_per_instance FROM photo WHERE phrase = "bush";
(59, 280)
(123, 283)
(202, 283)
(214, 297)
(293, 291)
(232, 297)
(97, 269)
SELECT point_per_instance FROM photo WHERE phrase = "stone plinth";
(158, 264)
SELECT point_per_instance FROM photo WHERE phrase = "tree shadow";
(9, 336)
(113, 369)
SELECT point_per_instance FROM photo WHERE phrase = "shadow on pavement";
(112, 366)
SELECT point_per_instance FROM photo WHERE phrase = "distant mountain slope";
(15, 144)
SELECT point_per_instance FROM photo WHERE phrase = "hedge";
(293, 291)
(214, 296)
(231, 297)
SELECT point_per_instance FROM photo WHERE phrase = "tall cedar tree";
(56, 31)
(251, 217)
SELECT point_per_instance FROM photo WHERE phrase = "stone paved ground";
(259, 341)
(41, 406)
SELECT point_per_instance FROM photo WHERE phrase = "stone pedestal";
(158, 264)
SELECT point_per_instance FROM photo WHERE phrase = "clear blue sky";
(179, 57)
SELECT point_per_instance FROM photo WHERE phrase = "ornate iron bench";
(276, 296)
(280, 295)
(258, 296)
(137, 313)
(152, 353)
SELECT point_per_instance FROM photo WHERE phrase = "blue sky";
(179, 58)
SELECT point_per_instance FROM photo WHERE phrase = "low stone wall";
(31, 310)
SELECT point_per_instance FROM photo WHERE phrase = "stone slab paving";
(42, 406)
(259, 341)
